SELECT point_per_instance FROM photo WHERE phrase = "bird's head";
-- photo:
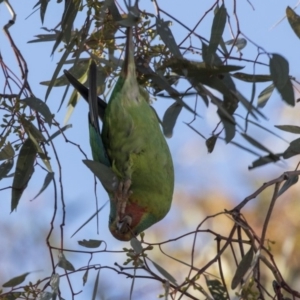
(134, 221)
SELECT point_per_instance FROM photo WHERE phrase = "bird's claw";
(122, 195)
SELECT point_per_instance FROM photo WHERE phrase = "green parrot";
(132, 145)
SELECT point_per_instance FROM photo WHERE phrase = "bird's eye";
(111, 219)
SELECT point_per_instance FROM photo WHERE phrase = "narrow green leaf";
(263, 160)
(54, 282)
(287, 93)
(255, 143)
(90, 243)
(85, 277)
(229, 127)
(239, 43)
(105, 174)
(59, 66)
(41, 107)
(69, 15)
(43, 8)
(170, 118)
(266, 129)
(248, 105)
(136, 245)
(164, 272)
(202, 70)
(293, 149)
(74, 98)
(58, 132)
(166, 35)
(2, 140)
(223, 113)
(5, 167)
(289, 128)
(265, 95)
(49, 177)
(36, 136)
(294, 20)
(47, 296)
(24, 171)
(41, 38)
(32, 131)
(89, 219)
(64, 263)
(79, 70)
(95, 289)
(252, 77)
(242, 268)
(216, 288)
(279, 69)
(241, 147)
(16, 280)
(217, 29)
(7, 152)
(288, 183)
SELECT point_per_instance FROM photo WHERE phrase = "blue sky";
(195, 169)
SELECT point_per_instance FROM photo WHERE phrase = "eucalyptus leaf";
(90, 243)
(217, 29)
(7, 152)
(64, 263)
(293, 149)
(265, 95)
(288, 183)
(136, 245)
(79, 70)
(252, 77)
(294, 20)
(32, 131)
(41, 107)
(242, 268)
(95, 289)
(287, 93)
(239, 43)
(166, 35)
(264, 160)
(105, 174)
(85, 277)
(90, 218)
(41, 38)
(16, 280)
(289, 128)
(229, 127)
(216, 288)
(165, 273)
(279, 69)
(255, 143)
(5, 167)
(170, 118)
(24, 171)
(58, 132)
(59, 66)
(54, 282)
(49, 177)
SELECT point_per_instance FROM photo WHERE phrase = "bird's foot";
(122, 195)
